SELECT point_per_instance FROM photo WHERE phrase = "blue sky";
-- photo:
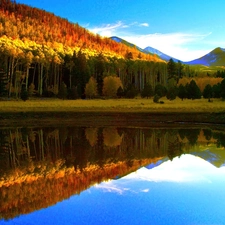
(185, 29)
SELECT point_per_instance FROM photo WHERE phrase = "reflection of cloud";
(110, 187)
(187, 168)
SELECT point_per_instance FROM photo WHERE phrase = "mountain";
(162, 55)
(147, 50)
(158, 163)
(213, 58)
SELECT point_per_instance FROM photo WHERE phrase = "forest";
(71, 62)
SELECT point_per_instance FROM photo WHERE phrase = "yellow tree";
(91, 88)
(111, 85)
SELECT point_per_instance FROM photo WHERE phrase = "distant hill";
(213, 58)
(148, 49)
(162, 55)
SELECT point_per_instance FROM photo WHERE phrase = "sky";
(185, 30)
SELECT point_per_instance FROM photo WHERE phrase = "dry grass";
(112, 105)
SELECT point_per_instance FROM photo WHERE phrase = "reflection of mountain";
(158, 163)
(215, 157)
(41, 166)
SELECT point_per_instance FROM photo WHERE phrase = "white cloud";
(108, 30)
(177, 45)
(173, 44)
(144, 25)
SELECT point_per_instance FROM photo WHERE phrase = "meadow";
(112, 105)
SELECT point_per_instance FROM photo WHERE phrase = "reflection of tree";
(91, 134)
(111, 137)
(4, 146)
(190, 134)
(46, 161)
(100, 153)
(220, 136)
(207, 134)
(81, 153)
(174, 145)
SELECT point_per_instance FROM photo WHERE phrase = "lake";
(112, 175)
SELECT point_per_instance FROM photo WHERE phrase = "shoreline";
(109, 118)
(111, 112)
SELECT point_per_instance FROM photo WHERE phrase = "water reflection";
(42, 166)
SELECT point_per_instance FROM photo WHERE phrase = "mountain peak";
(214, 58)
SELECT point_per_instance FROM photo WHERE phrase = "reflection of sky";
(187, 190)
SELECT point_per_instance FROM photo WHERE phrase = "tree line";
(42, 71)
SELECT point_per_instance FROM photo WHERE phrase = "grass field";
(112, 105)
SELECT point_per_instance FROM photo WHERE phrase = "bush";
(160, 90)
(72, 93)
(131, 92)
(171, 93)
(110, 86)
(48, 94)
(182, 92)
(156, 98)
(120, 92)
(91, 88)
(62, 91)
(24, 95)
(208, 92)
(193, 91)
(147, 91)
(222, 94)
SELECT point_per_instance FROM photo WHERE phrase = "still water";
(112, 175)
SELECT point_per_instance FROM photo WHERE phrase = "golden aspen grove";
(34, 54)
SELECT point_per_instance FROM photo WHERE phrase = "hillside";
(40, 53)
(213, 58)
(29, 26)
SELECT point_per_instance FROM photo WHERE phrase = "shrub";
(160, 90)
(216, 89)
(156, 98)
(193, 91)
(62, 91)
(24, 93)
(31, 89)
(131, 92)
(147, 91)
(91, 88)
(207, 92)
(182, 92)
(120, 92)
(72, 93)
(171, 93)
(110, 86)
